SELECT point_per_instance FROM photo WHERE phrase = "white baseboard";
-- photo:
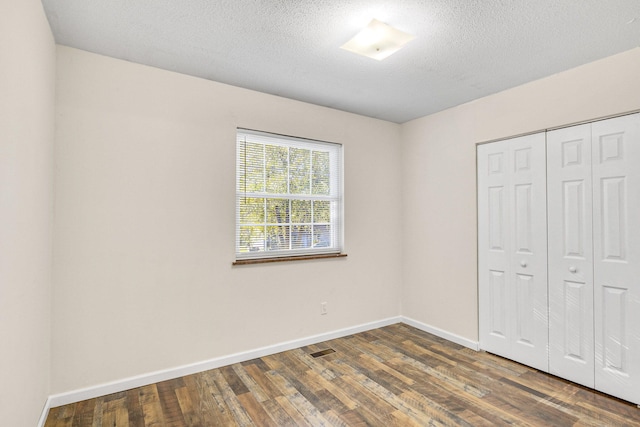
(45, 412)
(168, 374)
(180, 371)
(473, 345)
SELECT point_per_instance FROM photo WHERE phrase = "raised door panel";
(497, 315)
(496, 212)
(616, 177)
(570, 255)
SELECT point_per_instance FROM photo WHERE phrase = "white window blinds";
(288, 196)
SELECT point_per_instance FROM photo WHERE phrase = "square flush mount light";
(377, 40)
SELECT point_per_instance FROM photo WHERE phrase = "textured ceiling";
(464, 49)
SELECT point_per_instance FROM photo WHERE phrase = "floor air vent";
(323, 352)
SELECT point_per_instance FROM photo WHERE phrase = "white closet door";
(616, 232)
(493, 251)
(571, 350)
(529, 251)
(512, 249)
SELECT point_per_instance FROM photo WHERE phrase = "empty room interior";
(476, 217)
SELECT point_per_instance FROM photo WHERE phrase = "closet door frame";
(593, 225)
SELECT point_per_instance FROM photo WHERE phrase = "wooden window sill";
(288, 258)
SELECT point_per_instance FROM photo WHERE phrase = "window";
(288, 196)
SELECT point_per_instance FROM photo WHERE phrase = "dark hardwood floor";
(392, 376)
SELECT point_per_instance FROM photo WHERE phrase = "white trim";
(167, 374)
(180, 371)
(45, 412)
(466, 342)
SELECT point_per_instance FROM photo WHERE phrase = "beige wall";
(144, 218)
(144, 224)
(27, 93)
(439, 184)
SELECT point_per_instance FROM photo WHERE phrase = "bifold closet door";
(594, 255)
(616, 236)
(569, 189)
(512, 246)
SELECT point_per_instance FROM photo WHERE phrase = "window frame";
(335, 198)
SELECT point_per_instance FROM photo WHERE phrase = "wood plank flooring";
(392, 376)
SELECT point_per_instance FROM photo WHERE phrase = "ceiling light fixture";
(377, 40)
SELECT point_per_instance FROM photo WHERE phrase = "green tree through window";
(288, 196)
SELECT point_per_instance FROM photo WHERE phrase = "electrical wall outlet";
(323, 308)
